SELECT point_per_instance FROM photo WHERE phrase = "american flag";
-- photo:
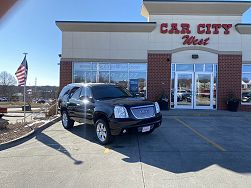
(22, 73)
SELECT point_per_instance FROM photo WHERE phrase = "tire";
(103, 132)
(66, 121)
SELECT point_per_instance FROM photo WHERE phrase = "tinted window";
(72, 91)
(64, 91)
(108, 92)
(76, 94)
(86, 92)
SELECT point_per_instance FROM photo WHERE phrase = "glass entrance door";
(203, 91)
(193, 90)
(183, 97)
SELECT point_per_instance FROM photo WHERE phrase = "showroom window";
(132, 76)
(246, 84)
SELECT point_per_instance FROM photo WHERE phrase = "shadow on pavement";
(173, 148)
(48, 141)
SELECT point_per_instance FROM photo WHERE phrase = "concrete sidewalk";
(220, 113)
(186, 151)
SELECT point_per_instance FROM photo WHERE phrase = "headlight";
(157, 108)
(120, 112)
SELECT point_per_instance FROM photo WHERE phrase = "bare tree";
(7, 81)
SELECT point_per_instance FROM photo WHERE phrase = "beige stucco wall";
(105, 45)
(135, 46)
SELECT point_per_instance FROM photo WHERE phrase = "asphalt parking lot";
(186, 151)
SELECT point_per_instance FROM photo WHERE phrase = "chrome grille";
(143, 112)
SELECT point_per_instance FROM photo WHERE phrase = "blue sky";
(30, 27)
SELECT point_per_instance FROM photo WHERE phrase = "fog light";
(124, 131)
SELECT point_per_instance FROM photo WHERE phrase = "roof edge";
(243, 28)
(194, 1)
(101, 26)
(194, 7)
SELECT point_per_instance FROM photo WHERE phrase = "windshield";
(109, 92)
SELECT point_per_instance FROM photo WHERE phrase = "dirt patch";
(10, 132)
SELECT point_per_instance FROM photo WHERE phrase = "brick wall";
(245, 108)
(229, 78)
(158, 76)
(65, 73)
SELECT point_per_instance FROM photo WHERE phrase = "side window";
(73, 91)
(76, 94)
(86, 92)
(64, 91)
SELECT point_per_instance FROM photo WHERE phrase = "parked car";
(3, 99)
(41, 101)
(246, 97)
(179, 97)
(110, 108)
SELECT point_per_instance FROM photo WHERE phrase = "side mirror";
(81, 97)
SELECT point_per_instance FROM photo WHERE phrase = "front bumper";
(118, 125)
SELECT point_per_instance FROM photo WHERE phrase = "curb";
(29, 135)
(12, 116)
(16, 139)
(202, 115)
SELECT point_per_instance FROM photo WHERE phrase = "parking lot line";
(200, 135)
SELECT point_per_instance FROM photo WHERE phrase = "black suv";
(110, 108)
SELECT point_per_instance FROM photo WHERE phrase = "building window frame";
(248, 73)
(110, 70)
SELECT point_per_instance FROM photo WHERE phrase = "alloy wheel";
(101, 132)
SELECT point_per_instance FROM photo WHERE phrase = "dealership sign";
(188, 38)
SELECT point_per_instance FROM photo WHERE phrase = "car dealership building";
(197, 54)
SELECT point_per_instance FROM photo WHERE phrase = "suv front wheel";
(103, 132)
(66, 121)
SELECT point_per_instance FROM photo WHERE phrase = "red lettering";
(199, 30)
(216, 28)
(185, 28)
(208, 28)
(200, 42)
(174, 29)
(227, 27)
(195, 41)
(163, 28)
(188, 40)
(206, 41)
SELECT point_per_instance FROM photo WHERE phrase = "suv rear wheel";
(66, 121)
(103, 132)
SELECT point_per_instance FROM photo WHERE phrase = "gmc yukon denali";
(110, 108)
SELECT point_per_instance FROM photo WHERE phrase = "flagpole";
(24, 104)
(24, 95)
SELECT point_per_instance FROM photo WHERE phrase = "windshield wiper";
(104, 98)
(122, 96)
